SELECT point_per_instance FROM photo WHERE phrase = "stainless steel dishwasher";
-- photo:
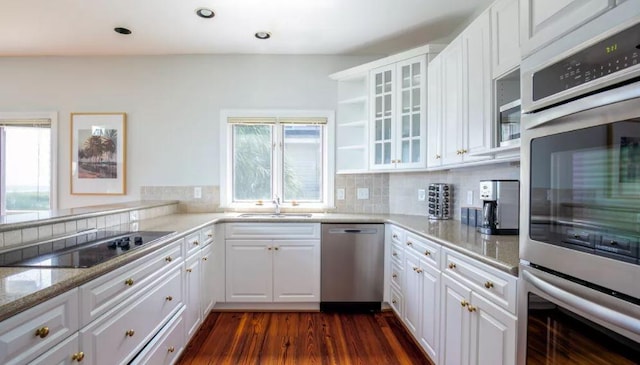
(352, 268)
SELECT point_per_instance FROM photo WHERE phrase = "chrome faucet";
(276, 201)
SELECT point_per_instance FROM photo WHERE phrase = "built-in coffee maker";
(500, 206)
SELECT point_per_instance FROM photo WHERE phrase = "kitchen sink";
(273, 215)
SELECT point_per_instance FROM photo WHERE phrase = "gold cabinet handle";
(42, 332)
(171, 349)
(130, 333)
(204, 259)
(471, 308)
(464, 303)
(168, 259)
(195, 243)
(452, 265)
(488, 285)
(189, 270)
(394, 276)
(427, 253)
(78, 356)
(128, 282)
(169, 298)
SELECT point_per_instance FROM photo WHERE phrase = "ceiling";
(85, 27)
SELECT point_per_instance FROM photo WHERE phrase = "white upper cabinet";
(542, 21)
(382, 100)
(505, 36)
(452, 102)
(434, 113)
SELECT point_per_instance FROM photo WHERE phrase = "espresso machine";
(500, 206)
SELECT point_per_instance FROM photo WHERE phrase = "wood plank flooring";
(302, 338)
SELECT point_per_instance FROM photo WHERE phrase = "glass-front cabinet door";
(411, 113)
(382, 117)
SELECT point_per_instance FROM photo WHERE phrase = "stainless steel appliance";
(352, 267)
(509, 124)
(500, 206)
(81, 250)
(440, 200)
(579, 298)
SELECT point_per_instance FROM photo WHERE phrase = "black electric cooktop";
(81, 251)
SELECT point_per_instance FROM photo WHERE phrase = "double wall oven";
(579, 291)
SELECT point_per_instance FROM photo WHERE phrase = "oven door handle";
(598, 311)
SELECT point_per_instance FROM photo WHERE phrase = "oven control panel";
(611, 55)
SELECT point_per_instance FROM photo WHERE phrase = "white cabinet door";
(455, 326)
(411, 113)
(505, 36)
(542, 21)
(452, 102)
(476, 86)
(249, 271)
(207, 280)
(493, 334)
(193, 313)
(296, 271)
(430, 323)
(64, 353)
(412, 292)
(434, 113)
(382, 114)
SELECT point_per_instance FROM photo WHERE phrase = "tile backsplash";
(377, 201)
(187, 203)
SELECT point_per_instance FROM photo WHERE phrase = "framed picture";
(98, 153)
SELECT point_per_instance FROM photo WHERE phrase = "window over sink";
(277, 154)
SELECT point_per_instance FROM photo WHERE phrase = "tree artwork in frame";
(98, 153)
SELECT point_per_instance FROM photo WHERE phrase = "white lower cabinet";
(193, 313)
(64, 353)
(207, 280)
(412, 293)
(296, 271)
(455, 326)
(167, 346)
(430, 320)
(249, 267)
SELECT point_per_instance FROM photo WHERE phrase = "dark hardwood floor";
(302, 338)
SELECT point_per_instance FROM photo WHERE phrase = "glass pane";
(378, 105)
(302, 162)
(387, 128)
(252, 162)
(378, 157)
(405, 126)
(405, 151)
(378, 130)
(415, 150)
(406, 78)
(387, 153)
(387, 81)
(387, 104)
(415, 125)
(415, 75)
(379, 79)
(28, 169)
(416, 99)
(406, 101)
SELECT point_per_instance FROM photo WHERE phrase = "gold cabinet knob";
(415, 269)
(394, 254)
(78, 356)
(269, 248)
(464, 303)
(128, 282)
(409, 243)
(210, 235)
(171, 349)
(394, 301)
(42, 332)
(169, 298)
(204, 259)
(458, 152)
(195, 243)
(452, 265)
(488, 285)
(394, 235)
(130, 333)
(471, 308)
(189, 270)
(394, 276)
(276, 248)
(427, 253)
(419, 271)
(438, 157)
(168, 259)
(464, 151)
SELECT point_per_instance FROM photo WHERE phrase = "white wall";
(172, 105)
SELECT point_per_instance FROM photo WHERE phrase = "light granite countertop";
(23, 288)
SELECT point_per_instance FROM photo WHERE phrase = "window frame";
(226, 155)
(53, 153)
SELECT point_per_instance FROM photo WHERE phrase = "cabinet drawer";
(192, 243)
(34, 331)
(272, 230)
(427, 250)
(118, 335)
(396, 302)
(207, 234)
(167, 346)
(397, 235)
(494, 284)
(104, 293)
(396, 276)
(397, 254)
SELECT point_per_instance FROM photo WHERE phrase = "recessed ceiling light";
(205, 13)
(122, 30)
(263, 35)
